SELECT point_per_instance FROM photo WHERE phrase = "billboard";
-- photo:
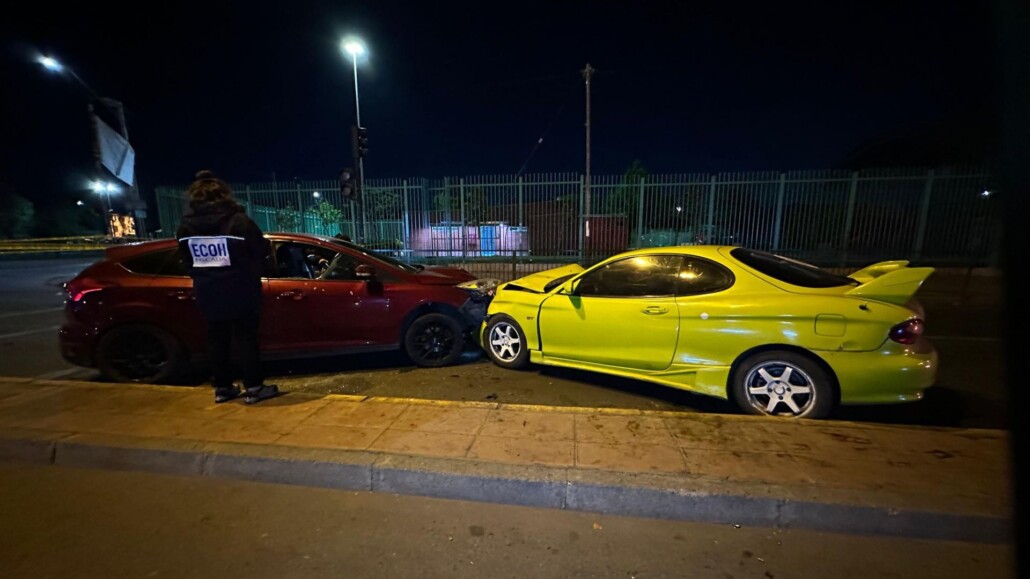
(122, 225)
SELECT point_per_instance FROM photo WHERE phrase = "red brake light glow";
(78, 288)
(81, 293)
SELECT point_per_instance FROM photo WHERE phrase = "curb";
(705, 500)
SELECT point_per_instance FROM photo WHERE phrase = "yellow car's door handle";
(655, 310)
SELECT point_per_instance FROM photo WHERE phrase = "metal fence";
(943, 216)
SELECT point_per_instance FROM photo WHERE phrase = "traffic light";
(359, 141)
(349, 184)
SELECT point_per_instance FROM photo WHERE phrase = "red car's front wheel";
(434, 340)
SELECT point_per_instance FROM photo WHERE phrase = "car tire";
(434, 340)
(140, 353)
(782, 383)
(505, 343)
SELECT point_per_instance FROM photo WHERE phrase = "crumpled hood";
(537, 281)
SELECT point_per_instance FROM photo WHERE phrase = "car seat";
(291, 261)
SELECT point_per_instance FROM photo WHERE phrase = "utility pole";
(358, 158)
(105, 200)
(137, 208)
(587, 73)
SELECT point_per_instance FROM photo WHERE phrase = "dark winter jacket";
(225, 253)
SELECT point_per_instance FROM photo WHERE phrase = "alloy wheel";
(505, 341)
(779, 388)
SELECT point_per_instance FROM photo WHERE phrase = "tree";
(69, 219)
(625, 199)
(287, 218)
(475, 204)
(17, 215)
(383, 203)
(329, 215)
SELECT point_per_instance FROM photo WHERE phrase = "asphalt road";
(62, 522)
(31, 311)
(964, 322)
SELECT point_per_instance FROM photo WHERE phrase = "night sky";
(249, 89)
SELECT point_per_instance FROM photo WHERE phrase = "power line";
(540, 141)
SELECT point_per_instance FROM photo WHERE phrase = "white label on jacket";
(209, 251)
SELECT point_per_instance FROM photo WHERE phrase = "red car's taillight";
(907, 332)
(80, 288)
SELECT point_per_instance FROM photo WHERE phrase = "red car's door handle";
(655, 310)
(181, 295)
(295, 294)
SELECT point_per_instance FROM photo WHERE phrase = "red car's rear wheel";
(140, 353)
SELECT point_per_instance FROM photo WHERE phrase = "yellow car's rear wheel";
(505, 343)
(782, 383)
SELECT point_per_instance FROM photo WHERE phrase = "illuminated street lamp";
(50, 64)
(105, 189)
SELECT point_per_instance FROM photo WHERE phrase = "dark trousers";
(221, 336)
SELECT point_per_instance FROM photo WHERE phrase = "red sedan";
(133, 316)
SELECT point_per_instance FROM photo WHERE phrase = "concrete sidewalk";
(838, 476)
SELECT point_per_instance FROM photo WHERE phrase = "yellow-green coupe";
(775, 335)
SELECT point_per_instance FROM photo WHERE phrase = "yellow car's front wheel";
(783, 383)
(506, 342)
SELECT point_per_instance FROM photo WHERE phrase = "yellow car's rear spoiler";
(889, 281)
(876, 270)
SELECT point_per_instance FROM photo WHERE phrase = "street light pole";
(357, 104)
(355, 48)
(106, 201)
(118, 110)
(361, 161)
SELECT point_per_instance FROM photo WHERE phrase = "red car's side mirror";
(365, 271)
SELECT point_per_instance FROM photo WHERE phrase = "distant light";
(103, 187)
(986, 193)
(79, 203)
(354, 46)
(678, 209)
(50, 63)
(316, 194)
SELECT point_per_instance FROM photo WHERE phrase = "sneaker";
(259, 393)
(226, 394)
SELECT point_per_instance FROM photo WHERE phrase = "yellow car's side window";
(643, 275)
(698, 276)
(655, 275)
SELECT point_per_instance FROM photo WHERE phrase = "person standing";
(225, 253)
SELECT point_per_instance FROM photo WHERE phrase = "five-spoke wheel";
(505, 342)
